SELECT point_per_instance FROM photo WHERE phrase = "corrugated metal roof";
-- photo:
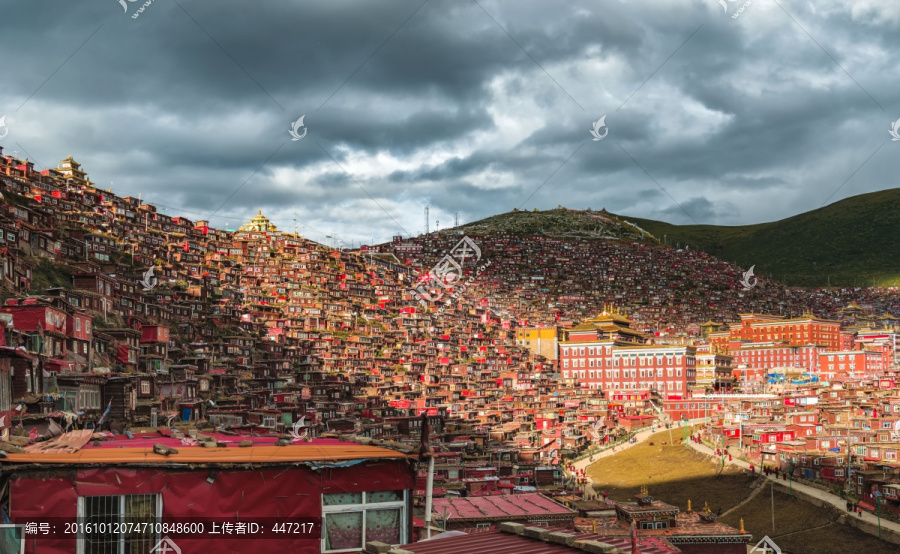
(498, 542)
(499, 506)
(72, 441)
(196, 454)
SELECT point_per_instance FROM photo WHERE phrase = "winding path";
(753, 494)
(834, 500)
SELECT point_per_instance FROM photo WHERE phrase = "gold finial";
(689, 505)
(595, 526)
(706, 507)
(644, 490)
(742, 526)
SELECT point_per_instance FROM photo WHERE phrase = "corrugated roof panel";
(471, 507)
(498, 542)
(70, 442)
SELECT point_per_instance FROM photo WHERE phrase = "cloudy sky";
(712, 114)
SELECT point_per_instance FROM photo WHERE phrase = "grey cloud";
(747, 112)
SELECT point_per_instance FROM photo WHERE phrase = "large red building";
(851, 364)
(760, 343)
(605, 353)
(757, 328)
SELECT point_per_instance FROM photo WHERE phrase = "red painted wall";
(280, 492)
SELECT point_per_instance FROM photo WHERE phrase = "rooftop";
(534, 541)
(77, 447)
(498, 507)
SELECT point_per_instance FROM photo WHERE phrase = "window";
(114, 511)
(145, 387)
(352, 519)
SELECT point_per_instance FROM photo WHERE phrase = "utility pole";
(773, 506)
(878, 509)
(426, 219)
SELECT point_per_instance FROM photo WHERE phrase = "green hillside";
(853, 242)
(561, 223)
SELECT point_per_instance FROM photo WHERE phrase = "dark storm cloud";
(416, 103)
(700, 209)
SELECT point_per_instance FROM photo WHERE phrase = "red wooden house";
(323, 496)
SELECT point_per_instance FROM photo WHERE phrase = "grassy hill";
(561, 223)
(851, 242)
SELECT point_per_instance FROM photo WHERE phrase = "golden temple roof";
(260, 224)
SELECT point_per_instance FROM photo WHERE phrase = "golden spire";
(742, 526)
(644, 490)
(706, 507)
(689, 505)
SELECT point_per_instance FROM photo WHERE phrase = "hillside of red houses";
(519, 350)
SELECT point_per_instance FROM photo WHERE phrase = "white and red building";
(606, 354)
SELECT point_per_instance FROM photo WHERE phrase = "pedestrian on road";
(858, 510)
(849, 505)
